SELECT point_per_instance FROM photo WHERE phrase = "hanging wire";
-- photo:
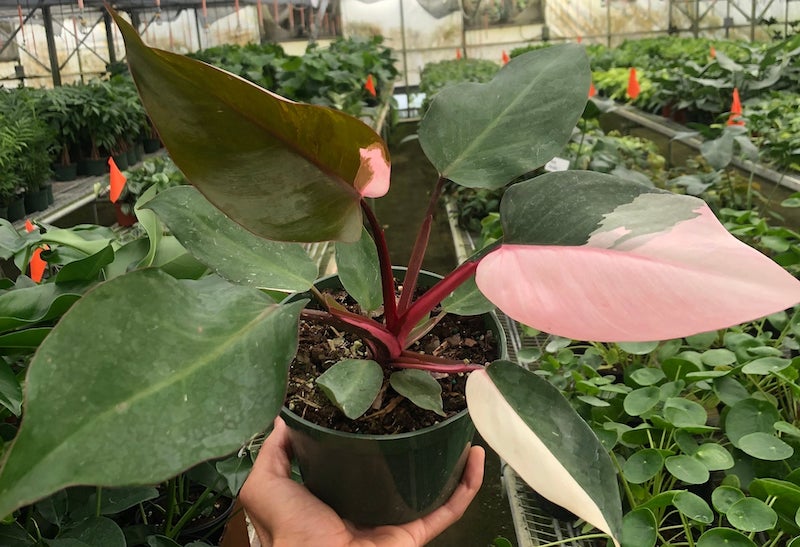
(33, 32)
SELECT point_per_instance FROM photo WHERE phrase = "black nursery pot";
(375, 480)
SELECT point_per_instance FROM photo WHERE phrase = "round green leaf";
(766, 365)
(419, 387)
(590, 400)
(765, 446)
(752, 515)
(96, 531)
(693, 507)
(750, 416)
(639, 528)
(787, 428)
(729, 390)
(352, 385)
(687, 469)
(647, 376)
(702, 340)
(714, 456)
(676, 368)
(723, 497)
(717, 357)
(643, 465)
(639, 401)
(686, 442)
(724, 537)
(795, 542)
(637, 348)
(682, 412)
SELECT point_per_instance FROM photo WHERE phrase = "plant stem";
(387, 277)
(171, 487)
(568, 540)
(418, 251)
(196, 507)
(625, 485)
(99, 494)
(432, 297)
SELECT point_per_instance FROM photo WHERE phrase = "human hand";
(285, 514)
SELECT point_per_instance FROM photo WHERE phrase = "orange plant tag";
(592, 90)
(736, 109)
(37, 265)
(29, 227)
(633, 84)
(370, 86)
(505, 58)
(117, 181)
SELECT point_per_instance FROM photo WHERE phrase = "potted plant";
(61, 108)
(584, 255)
(159, 172)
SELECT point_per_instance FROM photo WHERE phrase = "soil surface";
(321, 346)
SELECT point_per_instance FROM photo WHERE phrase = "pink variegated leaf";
(589, 256)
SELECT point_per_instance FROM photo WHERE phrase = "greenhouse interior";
(458, 273)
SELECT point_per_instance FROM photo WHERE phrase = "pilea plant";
(584, 255)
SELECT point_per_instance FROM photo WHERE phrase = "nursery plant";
(699, 428)
(584, 255)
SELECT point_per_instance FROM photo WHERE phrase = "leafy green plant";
(609, 250)
(158, 172)
(699, 428)
(436, 76)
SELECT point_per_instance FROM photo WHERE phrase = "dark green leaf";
(222, 339)
(639, 529)
(693, 506)
(352, 385)
(227, 248)
(360, 272)
(419, 387)
(536, 98)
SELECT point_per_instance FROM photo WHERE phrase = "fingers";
(274, 458)
(471, 480)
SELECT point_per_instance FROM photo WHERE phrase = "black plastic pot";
(16, 209)
(63, 172)
(384, 479)
(36, 200)
(93, 168)
(151, 145)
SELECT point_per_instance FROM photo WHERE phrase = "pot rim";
(373, 437)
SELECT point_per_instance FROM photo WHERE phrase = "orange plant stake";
(117, 179)
(633, 84)
(370, 86)
(736, 110)
(458, 54)
(29, 227)
(592, 90)
(713, 52)
(505, 58)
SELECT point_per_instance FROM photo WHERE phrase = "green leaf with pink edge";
(527, 421)
(283, 170)
(595, 257)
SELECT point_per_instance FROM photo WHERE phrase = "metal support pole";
(47, 16)
(112, 54)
